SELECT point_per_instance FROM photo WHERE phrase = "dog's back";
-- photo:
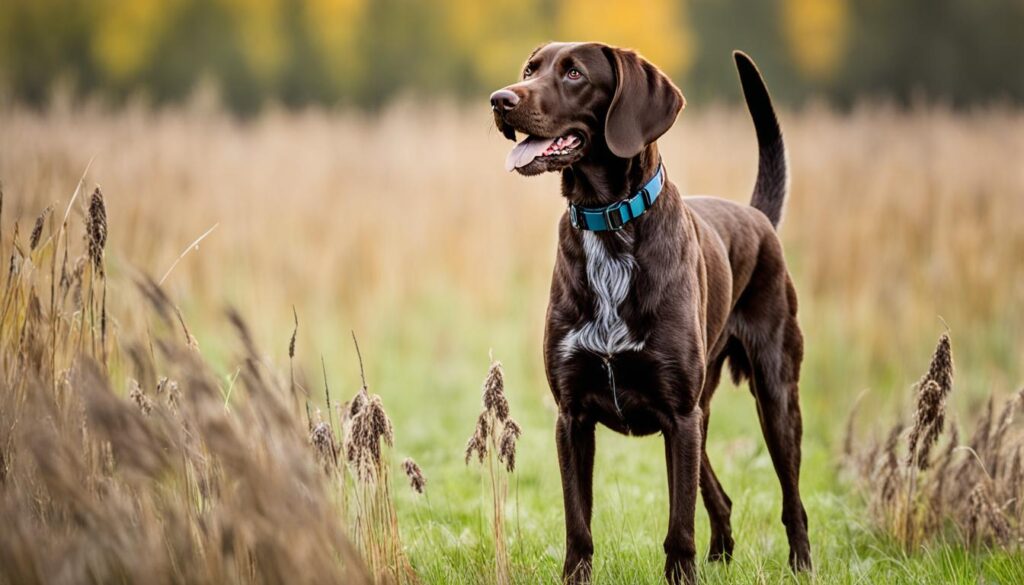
(743, 229)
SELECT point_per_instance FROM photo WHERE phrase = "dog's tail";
(772, 172)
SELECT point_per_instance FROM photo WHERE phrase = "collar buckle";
(646, 196)
(577, 219)
(613, 218)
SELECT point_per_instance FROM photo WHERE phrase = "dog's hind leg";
(716, 501)
(775, 365)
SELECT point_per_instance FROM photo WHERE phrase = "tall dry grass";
(182, 476)
(970, 491)
(493, 445)
(894, 217)
(170, 480)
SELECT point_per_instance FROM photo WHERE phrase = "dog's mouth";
(535, 154)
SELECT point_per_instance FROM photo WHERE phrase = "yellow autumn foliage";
(258, 25)
(816, 34)
(333, 26)
(658, 29)
(495, 35)
(126, 33)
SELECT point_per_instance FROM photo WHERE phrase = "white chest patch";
(609, 277)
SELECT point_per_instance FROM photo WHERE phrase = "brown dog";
(644, 313)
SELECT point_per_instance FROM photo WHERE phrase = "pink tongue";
(526, 151)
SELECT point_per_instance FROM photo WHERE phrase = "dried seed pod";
(494, 392)
(325, 446)
(417, 480)
(37, 230)
(170, 391)
(930, 417)
(507, 445)
(140, 399)
(986, 521)
(97, 229)
(367, 427)
(478, 441)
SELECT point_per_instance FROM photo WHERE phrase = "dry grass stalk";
(915, 496)
(367, 430)
(291, 372)
(494, 439)
(193, 246)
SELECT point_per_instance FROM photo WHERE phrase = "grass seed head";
(507, 445)
(478, 441)
(324, 445)
(295, 332)
(930, 417)
(986, 521)
(16, 254)
(356, 405)
(139, 397)
(170, 392)
(97, 229)
(417, 480)
(494, 392)
(888, 471)
(37, 231)
(367, 427)
(941, 367)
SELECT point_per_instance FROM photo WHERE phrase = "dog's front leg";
(575, 439)
(682, 457)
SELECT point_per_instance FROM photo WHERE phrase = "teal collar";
(615, 216)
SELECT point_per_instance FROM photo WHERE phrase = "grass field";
(404, 228)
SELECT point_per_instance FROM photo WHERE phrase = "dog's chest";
(609, 276)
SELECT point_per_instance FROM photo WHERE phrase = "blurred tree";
(333, 27)
(956, 50)
(258, 27)
(816, 35)
(659, 29)
(495, 35)
(125, 34)
(366, 52)
(723, 26)
(42, 40)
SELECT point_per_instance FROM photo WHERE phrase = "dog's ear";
(644, 106)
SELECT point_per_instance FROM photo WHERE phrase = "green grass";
(428, 360)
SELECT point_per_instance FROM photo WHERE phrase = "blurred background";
(344, 155)
(367, 52)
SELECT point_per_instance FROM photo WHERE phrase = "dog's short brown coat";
(707, 283)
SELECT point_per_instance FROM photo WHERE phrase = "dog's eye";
(573, 73)
(527, 71)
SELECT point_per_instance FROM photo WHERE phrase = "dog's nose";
(504, 100)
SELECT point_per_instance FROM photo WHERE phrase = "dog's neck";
(603, 180)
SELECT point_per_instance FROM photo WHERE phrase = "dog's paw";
(680, 571)
(721, 548)
(576, 571)
(800, 559)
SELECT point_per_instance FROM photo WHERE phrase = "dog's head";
(583, 100)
